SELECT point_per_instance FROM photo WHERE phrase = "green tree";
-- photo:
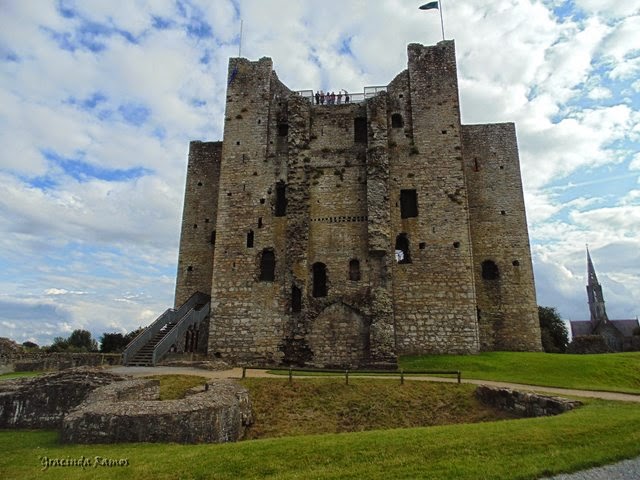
(112, 342)
(553, 330)
(59, 345)
(80, 340)
(116, 342)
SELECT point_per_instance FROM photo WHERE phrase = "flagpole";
(240, 43)
(430, 6)
(441, 21)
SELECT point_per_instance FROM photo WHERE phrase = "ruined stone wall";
(42, 402)
(433, 295)
(130, 412)
(508, 314)
(195, 259)
(524, 404)
(248, 314)
(40, 361)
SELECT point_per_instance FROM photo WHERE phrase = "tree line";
(81, 341)
(555, 337)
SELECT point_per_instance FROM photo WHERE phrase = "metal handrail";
(357, 97)
(167, 317)
(347, 371)
(192, 317)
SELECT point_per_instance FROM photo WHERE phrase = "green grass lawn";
(600, 432)
(9, 376)
(327, 405)
(615, 372)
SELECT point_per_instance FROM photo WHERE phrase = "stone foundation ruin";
(524, 404)
(131, 412)
(95, 406)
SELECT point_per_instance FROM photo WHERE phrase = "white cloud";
(115, 240)
(599, 93)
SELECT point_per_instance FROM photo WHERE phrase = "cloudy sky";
(100, 98)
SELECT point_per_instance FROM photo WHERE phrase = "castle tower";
(503, 271)
(346, 234)
(594, 295)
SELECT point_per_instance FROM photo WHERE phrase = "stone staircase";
(167, 331)
(144, 357)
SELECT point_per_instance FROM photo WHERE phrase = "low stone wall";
(41, 361)
(41, 402)
(524, 404)
(221, 413)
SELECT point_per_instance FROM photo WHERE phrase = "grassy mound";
(614, 372)
(327, 405)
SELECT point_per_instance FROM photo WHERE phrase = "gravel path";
(237, 373)
(626, 470)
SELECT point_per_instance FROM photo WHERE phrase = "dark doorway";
(268, 266)
(319, 280)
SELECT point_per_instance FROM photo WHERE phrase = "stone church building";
(617, 334)
(348, 233)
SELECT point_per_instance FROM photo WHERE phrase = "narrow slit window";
(250, 239)
(408, 203)
(296, 299)
(354, 270)
(281, 199)
(319, 280)
(283, 129)
(267, 266)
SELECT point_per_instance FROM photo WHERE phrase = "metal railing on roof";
(341, 97)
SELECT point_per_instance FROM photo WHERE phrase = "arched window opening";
(281, 199)
(490, 270)
(397, 121)
(319, 280)
(296, 299)
(354, 270)
(360, 130)
(267, 266)
(402, 249)
(250, 239)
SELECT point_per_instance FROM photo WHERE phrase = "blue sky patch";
(345, 47)
(83, 171)
(160, 23)
(134, 113)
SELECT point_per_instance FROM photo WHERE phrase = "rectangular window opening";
(360, 130)
(408, 203)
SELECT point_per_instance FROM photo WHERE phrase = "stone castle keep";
(348, 234)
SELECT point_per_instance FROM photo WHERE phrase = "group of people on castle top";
(331, 98)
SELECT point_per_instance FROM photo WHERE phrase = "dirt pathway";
(237, 373)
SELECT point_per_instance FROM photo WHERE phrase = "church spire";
(594, 294)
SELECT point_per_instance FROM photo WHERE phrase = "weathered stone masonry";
(336, 235)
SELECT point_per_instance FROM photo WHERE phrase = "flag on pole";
(429, 6)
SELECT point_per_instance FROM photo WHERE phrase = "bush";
(553, 330)
(588, 344)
